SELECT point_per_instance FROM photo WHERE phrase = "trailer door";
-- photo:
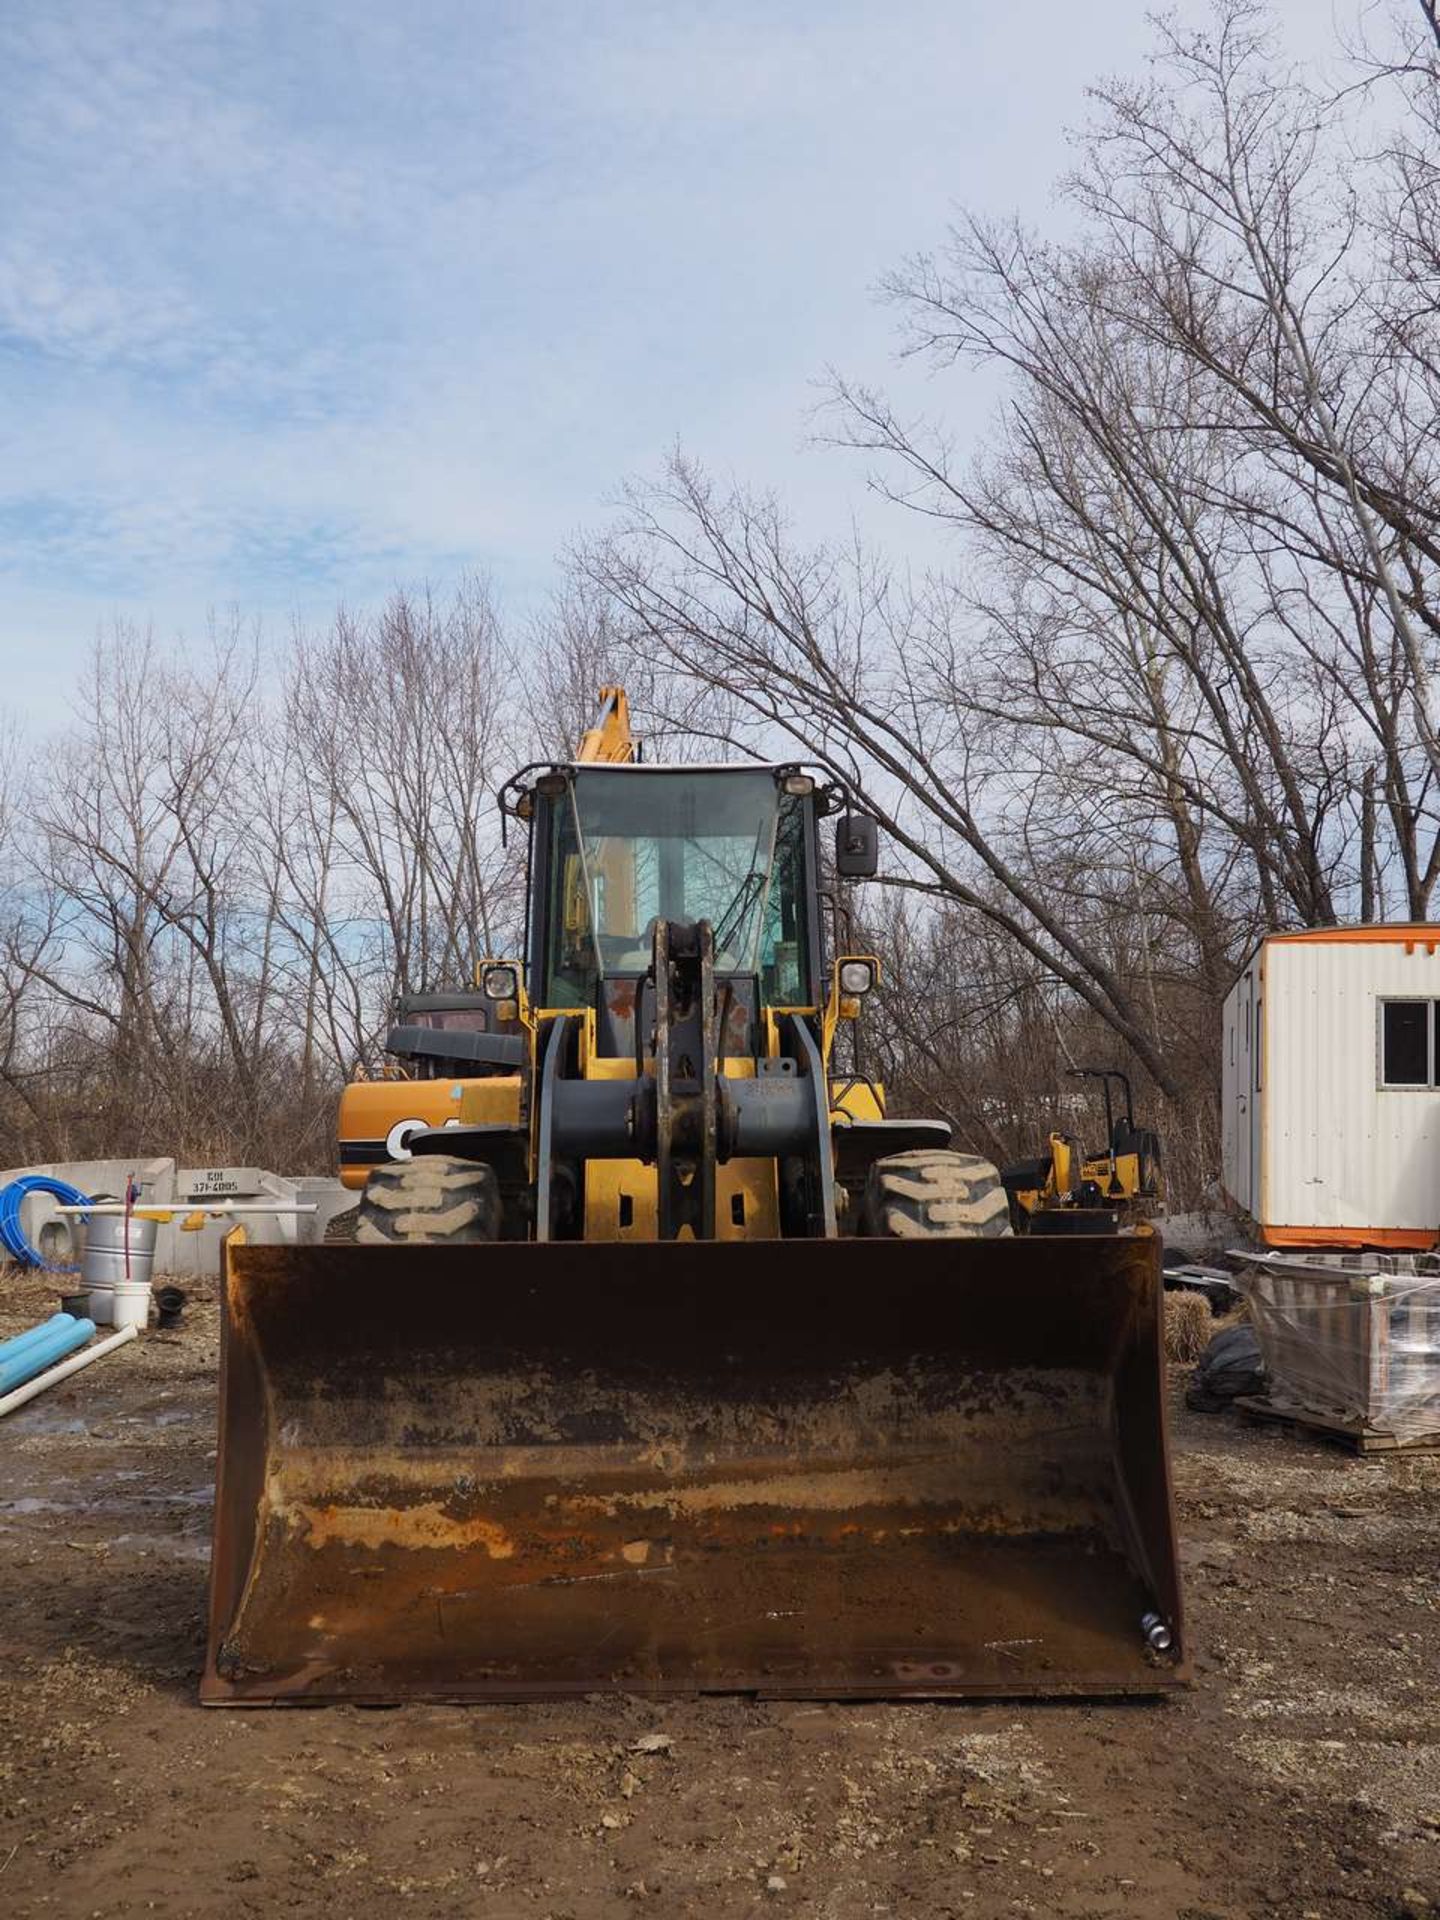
(1240, 1059)
(1256, 1093)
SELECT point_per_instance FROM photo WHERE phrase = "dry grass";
(1188, 1325)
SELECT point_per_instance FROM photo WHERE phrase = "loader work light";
(856, 977)
(500, 983)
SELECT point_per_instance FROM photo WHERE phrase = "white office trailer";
(1331, 1088)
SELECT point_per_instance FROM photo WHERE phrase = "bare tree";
(820, 649)
(401, 727)
(210, 896)
(1177, 685)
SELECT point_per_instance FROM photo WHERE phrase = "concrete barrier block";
(186, 1253)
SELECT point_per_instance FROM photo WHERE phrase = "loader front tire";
(934, 1194)
(434, 1199)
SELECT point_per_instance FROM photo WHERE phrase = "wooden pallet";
(1353, 1435)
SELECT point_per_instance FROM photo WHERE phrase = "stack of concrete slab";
(1351, 1343)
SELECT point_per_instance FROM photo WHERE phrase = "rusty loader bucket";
(826, 1469)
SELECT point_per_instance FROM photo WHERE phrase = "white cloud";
(297, 300)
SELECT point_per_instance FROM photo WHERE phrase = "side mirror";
(857, 847)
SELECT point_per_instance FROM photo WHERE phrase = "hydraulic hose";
(12, 1234)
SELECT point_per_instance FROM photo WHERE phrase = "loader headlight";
(500, 983)
(856, 977)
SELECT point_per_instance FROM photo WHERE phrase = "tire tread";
(935, 1193)
(434, 1200)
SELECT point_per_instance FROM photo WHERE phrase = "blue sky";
(299, 301)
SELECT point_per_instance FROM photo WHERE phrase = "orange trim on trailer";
(1409, 934)
(1413, 1239)
(1412, 933)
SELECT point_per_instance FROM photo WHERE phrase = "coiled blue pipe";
(12, 1234)
(18, 1342)
(43, 1353)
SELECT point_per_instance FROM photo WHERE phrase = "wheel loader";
(658, 1356)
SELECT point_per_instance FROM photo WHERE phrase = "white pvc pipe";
(9, 1401)
(147, 1209)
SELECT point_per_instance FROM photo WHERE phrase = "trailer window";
(1407, 1043)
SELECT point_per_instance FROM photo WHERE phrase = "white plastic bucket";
(103, 1265)
(130, 1304)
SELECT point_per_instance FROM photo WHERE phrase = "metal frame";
(807, 1052)
(1384, 1000)
(555, 1044)
(538, 908)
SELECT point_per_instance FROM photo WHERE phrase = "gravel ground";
(1300, 1777)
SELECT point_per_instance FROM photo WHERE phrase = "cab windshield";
(633, 846)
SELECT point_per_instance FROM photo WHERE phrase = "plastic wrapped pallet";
(1354, 1348)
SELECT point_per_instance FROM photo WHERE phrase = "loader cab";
(616, 849)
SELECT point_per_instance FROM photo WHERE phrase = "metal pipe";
(769, 1116)
(9, 1401)
(762, 1118)
(591, 1119)
(1156, 1630)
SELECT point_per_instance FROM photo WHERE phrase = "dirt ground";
(1300, 1777)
